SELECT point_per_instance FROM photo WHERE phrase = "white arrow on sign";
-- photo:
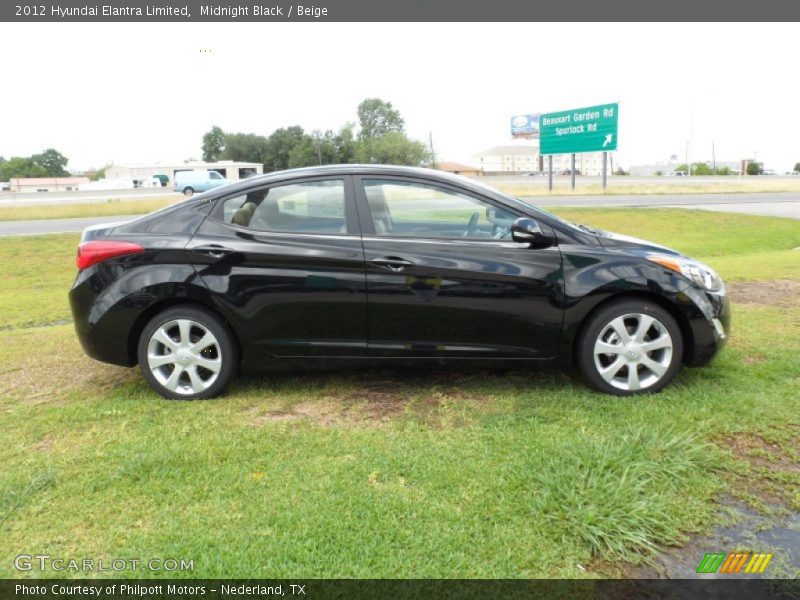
(608, 140)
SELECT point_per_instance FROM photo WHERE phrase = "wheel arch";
(151, 311)
(663, 302)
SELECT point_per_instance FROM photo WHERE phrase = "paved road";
(47, 226)
(773, 205)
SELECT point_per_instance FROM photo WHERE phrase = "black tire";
(188, 191)
(634, 311)
(223, 351)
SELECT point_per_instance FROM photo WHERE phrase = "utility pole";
(433, 154)
(714, 158)
(688, 166)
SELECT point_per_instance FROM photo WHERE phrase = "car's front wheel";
(630, 347)
(186, 353)
(188, 191)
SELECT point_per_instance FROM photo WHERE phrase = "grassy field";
(109, 208)
(386, 473)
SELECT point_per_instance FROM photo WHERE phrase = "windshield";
(530, 205)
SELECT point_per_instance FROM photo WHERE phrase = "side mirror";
(528, 231)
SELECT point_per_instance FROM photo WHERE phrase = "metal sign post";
(572, 171)
(605, 168)
(550, 172)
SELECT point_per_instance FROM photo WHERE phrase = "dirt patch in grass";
(44, 364)
(783, 293)
(758, 452)
(372, 410)
(375, 400)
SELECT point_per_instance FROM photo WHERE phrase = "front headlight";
(701, 275)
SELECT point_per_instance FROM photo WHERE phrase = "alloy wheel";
(633, 351)
(184, 356)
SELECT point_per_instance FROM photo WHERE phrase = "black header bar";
(398, 11)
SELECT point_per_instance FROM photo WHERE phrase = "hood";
(609, 239)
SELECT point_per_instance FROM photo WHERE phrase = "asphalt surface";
(48, 226)
(768, 204)
(83, 197)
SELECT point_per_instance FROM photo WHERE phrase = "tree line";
(49, 163)
(381, 138)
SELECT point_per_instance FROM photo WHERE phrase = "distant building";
(510, 159)
(458, 169)
(46, 184)
(229, 169)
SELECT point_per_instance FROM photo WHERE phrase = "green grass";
(37, 271)
(109, 208)
(740, 247)
(381, 473)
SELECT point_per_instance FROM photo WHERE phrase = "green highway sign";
(591, 129)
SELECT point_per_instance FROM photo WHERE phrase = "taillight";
(90, 253)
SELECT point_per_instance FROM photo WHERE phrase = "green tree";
(247, 147)
(213, 144)
(20, 166)
(700, 168)
(52, 161)
(394, 148)
(346, 145)
(304, 153)
(96, 174)
(377, 118)
(797, 166)
(283, 151)
(753, 168)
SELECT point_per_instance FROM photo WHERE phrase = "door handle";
(393, 263)
(213, 250)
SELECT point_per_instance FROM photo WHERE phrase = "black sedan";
(386, 264)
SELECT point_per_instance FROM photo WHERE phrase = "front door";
(445, 279)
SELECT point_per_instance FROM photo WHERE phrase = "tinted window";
(420, 210)
(311, 207)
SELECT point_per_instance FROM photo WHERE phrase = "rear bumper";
(102, 331)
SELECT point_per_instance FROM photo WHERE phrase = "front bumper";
(709, 323)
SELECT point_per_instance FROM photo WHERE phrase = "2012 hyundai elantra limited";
(386, 264)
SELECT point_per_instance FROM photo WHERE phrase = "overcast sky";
(142, 93)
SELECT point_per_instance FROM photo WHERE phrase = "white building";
(510, 159)
(229, 169)
(46, 184)
(518, 158)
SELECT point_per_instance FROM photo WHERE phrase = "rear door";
(286, 263)
(444, 278)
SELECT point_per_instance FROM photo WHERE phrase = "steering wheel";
(472, 225)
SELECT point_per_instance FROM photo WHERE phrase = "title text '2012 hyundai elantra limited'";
(385, 264)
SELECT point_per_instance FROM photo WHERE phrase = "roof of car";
(352, 168)
(358, 169)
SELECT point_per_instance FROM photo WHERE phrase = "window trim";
(368, 225)
(350, 213)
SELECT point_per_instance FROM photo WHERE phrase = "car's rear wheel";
(186, 353)
(630, 347)
(188, 191)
